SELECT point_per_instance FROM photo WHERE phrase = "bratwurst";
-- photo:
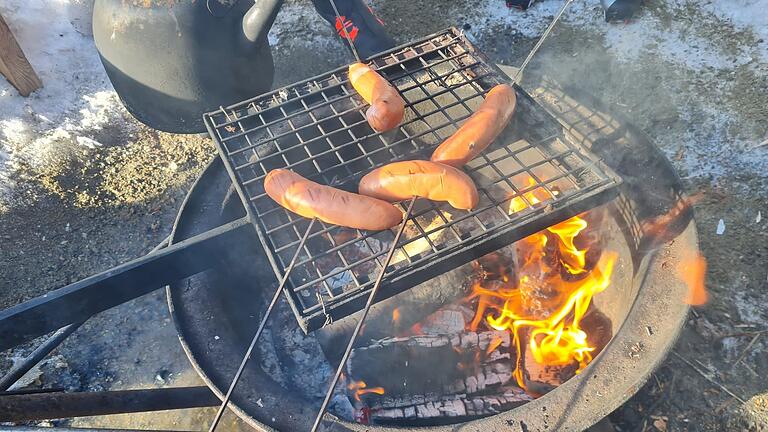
(387, 106)
(402, 180)
(479, 131)
(335, 206)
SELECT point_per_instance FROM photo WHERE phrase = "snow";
(745, 15)
(533, 21)
(76, 99)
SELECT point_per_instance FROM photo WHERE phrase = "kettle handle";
(259, 18)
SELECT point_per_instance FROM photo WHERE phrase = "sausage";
(402, 180)
(479, 131)
(387, 106)
(335, 206)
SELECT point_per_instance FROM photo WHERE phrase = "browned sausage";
(329, 204)
(387, 107)
(479, 131)
(402, 180)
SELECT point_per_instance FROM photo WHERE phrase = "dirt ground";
(88, 209)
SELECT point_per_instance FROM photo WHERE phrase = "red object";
(374, 15)
(363, 415)
(347, 23)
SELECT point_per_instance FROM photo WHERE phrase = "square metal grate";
(318, 129)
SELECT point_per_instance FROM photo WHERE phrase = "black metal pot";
(620, 10)
(172, 60)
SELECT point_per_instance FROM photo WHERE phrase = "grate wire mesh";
(318, 129)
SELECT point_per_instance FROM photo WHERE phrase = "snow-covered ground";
(77, 99)
(707, 58)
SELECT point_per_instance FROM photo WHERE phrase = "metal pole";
(262, 325)
(41, 406)
(80, 300)
(540, 41)
(346, 32)
(18, 370)
(367, 309)
(68, 429)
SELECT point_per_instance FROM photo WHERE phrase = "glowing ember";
(396, 315)
(543, 310)
(360, 388)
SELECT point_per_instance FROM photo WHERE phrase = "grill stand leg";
(260, 329)
(368, 305)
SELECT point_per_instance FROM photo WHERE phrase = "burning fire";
(360, 388)
(551, 290)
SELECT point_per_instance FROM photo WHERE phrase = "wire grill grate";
(318, 129)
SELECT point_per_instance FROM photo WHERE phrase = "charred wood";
(460, 407)
(411, 367)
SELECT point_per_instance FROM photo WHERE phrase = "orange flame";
(495, 343)
(692, 270)
(360, 388)
(549, 308)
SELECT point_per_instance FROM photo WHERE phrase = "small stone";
(720, 227)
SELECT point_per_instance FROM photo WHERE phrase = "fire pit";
(627, 269)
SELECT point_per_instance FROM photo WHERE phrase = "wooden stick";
(703, 375)
(746, 350)
(14, 64)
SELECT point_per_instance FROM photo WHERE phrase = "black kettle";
(172, 60)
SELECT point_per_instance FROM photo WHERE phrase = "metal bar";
(540, 41)
(18, 370)
(43, 406)
(346, 33)
(70, 429)
(364, 314)
(259, 330)
(74, 302)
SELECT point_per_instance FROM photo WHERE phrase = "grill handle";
(259, 18)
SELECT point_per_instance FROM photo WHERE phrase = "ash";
(297, 362)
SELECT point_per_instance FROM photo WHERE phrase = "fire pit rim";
(531, 416)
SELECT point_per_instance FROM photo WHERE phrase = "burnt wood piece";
(394, 316)
(459, 407)
(14, 64)
(414, 366)
(541, 379)
(42, 406)
(80, 300)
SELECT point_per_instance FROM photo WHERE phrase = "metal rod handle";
(540, 41)
(367, 308)
(260, 329)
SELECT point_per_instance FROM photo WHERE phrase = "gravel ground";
(693, 77)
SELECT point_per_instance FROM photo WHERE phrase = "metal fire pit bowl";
(215, 312)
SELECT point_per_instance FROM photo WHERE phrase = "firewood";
(396, 315)
(459, 407)
(14, 64)
(411, 367)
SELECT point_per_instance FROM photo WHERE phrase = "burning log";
(465, 407)
(542, 378)
(396, 315)
(408, 368)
